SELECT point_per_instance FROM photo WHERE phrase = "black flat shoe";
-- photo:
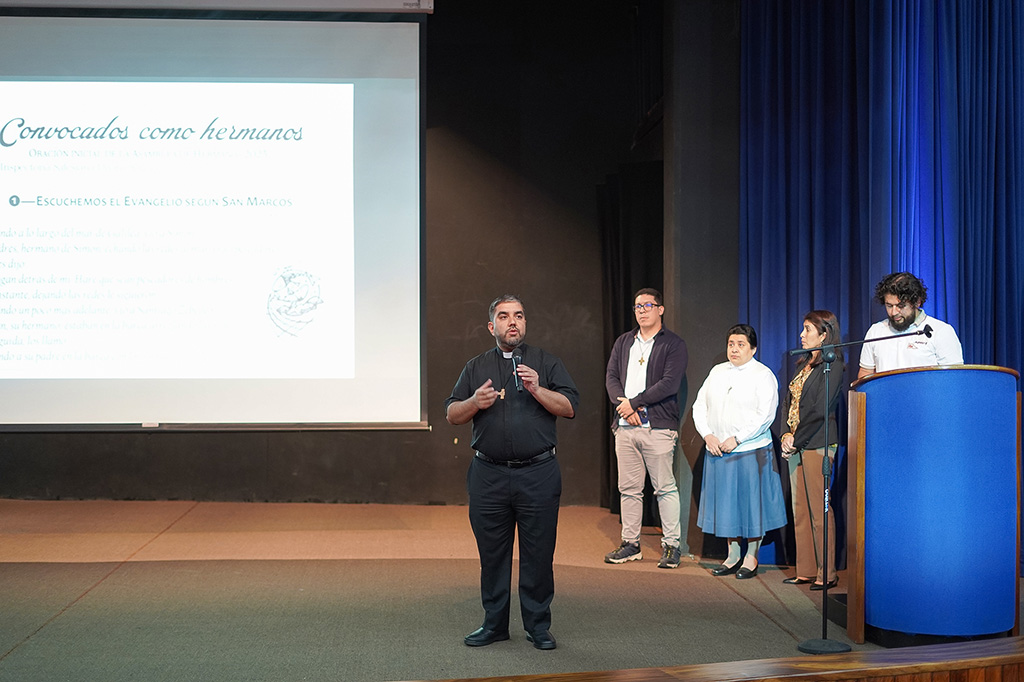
(818, 586)
(483, 637)
(725, 570)
(797, 581)
(541, 640)
(745, 573)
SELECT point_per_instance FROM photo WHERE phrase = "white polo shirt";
(943, 348)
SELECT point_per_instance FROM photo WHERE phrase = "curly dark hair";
(904, 286)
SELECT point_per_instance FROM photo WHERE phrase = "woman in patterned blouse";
(804, 446)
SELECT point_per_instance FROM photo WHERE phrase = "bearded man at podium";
(903, 294)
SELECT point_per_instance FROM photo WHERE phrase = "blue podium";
(934, 463)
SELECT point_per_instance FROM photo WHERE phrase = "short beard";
(906, 323)
(512, 344)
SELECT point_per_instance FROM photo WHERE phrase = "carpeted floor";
(208, 591)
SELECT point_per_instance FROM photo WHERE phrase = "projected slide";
(182, 240)
(157, 234)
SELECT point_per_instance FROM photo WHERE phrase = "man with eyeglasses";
(644, 373)
(513, 394)
(903, 294)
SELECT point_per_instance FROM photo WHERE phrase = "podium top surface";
(940, 368)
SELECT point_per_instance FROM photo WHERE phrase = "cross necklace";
(649, 345)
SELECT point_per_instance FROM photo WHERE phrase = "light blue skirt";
(741, 494)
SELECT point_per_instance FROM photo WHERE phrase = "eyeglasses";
(642, 307)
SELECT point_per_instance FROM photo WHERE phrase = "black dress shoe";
(541, 640)
(831, 583)
(725, 570)
(797, 581)
(745, 573)
(483, 637)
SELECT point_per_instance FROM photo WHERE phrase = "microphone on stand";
(927, 331)
(517, 357)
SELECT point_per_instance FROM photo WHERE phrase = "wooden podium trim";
(1016, 622)
(939, 368)
(855, 447)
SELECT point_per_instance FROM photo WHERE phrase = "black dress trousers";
(500, 500)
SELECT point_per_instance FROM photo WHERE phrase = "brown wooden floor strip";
(992, 660)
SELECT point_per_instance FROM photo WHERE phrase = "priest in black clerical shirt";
(513, 394)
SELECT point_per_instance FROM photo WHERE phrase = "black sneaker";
(627, 551)
(669, 557)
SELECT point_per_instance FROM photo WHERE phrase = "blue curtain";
(880, 136)
(877, 136)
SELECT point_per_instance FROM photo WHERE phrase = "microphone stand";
(828, 356)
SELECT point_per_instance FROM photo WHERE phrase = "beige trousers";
(807, 487)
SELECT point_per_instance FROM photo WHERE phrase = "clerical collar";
(507, 354)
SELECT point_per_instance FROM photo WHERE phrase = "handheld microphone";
(517, 357)
(927, 331)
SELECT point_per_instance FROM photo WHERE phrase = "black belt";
(517, 463)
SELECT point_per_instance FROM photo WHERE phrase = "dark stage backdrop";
(528, 109)
(631, 215)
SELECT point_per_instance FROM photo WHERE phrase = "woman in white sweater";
(741, 492)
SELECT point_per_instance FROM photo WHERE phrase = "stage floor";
(104, 590)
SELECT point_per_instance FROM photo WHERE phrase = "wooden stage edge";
(990, 660)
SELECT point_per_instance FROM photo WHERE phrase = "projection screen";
(210, 223)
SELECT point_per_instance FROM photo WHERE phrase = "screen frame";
(405, 15)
